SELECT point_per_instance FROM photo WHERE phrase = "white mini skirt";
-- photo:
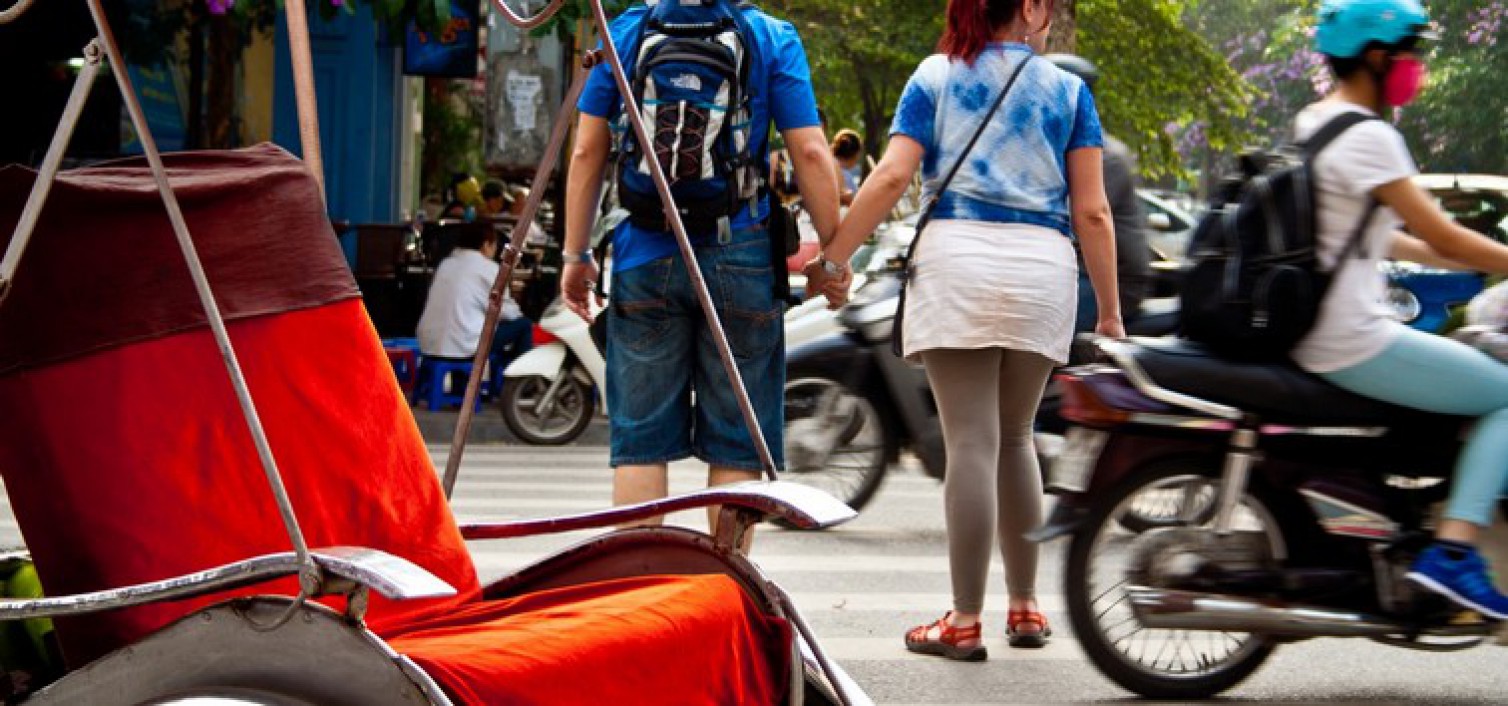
(992, 285)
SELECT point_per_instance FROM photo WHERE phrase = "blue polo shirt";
(780, 90)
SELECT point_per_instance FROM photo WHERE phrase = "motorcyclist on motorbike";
(1133, 261)
(1373, 50)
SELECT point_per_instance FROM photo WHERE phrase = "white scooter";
(551, 393)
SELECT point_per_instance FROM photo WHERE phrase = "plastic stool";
(435, 372)
(405, 366)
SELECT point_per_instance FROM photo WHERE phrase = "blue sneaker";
(1463, 578)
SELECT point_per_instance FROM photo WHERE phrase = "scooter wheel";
(535, 420)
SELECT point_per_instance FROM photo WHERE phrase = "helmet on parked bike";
(1076, 65)
(1348, 27)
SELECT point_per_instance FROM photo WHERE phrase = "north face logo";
(687, 82)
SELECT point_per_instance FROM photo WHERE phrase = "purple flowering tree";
(1459, 123)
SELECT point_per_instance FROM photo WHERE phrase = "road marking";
(777, 564)
(893, 649)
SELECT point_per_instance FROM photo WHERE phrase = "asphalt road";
(862, 585)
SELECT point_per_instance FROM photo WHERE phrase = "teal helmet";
(1348, 27)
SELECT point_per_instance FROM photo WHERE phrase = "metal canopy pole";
(511, 254)
(32, 212)
(309, 575)
(303, 90)
(672, 215)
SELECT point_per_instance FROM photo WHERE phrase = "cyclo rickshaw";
(141, 480)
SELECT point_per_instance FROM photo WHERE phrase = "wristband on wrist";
(584, 256)
(831, 268)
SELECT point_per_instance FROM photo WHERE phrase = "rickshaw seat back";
(122, 445)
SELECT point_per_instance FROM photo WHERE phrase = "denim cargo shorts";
(668, 395)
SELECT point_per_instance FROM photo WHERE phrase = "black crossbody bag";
(907, 270)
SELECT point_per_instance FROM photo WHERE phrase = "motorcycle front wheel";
(835, 440)
(541, 422)
(1102, 556)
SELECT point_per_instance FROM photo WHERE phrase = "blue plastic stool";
(435, 372)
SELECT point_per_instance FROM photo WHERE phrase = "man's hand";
(578, 285)
(834, 287)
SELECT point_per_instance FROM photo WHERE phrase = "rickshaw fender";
(546, 361)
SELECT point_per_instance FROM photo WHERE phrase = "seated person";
(456, 307)
(501, 200)
(465, 195)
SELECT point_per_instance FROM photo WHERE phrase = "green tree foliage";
(1460, 122)
(862, 54)
(1156, 70)
(1159, 77)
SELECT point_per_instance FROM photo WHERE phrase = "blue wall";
(357, 79)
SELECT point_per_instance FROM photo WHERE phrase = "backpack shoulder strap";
(1331, 130)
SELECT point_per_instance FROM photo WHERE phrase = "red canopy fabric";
(127, 460)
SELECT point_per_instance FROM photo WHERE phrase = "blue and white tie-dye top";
(1018, 171)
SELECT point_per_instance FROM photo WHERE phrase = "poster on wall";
(449, 53)
(522, 101)
(157, 89)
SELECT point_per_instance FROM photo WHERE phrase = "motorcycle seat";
(1275, 392)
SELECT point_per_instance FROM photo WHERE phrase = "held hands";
(819, 280)
(578, 287)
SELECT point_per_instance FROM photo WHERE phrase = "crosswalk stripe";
(777, 564)
(492, 488)
(866, 602)
(892, 649)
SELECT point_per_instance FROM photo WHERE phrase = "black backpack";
(1256, 285)
(690, 75)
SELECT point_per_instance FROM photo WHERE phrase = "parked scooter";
(1294, 510)
(550, 394)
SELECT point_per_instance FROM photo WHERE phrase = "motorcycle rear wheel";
(1184, 664)
(856, 466)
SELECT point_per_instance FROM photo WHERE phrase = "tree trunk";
(1065, 27)
(874, 114)
(194, 131)
(433, 176)
(221, 128)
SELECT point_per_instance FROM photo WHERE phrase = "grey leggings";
(988, 399)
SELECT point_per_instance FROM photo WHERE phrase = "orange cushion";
(645, 640)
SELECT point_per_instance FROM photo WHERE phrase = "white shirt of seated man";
(456, 307)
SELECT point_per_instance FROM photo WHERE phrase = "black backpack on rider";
(1256, 285)
(690, 77)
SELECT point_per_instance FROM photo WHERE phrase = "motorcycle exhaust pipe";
(1184, 610)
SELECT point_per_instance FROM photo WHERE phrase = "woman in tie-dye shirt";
(992, 301)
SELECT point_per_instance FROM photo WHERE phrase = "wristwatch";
(833, 269)
(583, 257)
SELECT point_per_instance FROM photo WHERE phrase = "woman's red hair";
(972, 24)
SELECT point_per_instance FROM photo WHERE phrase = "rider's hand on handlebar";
(1111, 328)
(578, 287)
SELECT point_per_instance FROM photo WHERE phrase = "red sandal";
(948, 637)
(1033, 638)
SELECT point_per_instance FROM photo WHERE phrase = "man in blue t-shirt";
(659, 354)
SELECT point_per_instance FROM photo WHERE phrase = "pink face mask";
(1403, 81)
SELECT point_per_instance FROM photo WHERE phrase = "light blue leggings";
(1436, 374)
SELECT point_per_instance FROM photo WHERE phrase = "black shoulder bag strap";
(1311, 148)
(896, 342)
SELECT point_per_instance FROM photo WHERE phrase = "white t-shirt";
(456, 307)
(1354, 324)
